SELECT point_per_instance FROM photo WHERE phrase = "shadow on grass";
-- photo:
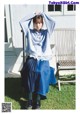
(14, 90)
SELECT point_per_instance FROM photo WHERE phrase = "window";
(50, 8)
(63, 9)
(54, 9)
(69, 9)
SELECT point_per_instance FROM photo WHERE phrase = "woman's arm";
(25, 23)
(50, 24)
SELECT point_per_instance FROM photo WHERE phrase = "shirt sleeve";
(25, 23)
(50, 23)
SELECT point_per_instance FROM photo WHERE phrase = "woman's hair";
(38, 18)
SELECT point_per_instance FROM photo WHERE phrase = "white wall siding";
(64, 21)
(65, 43)
(17, 13)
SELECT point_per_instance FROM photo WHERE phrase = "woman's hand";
(37, 13)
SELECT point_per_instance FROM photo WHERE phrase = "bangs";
(38, 21)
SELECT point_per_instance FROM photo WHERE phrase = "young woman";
(36, 72)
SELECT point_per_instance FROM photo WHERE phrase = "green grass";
(64, 99)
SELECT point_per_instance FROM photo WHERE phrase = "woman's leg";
(36, 101)
(29, 101)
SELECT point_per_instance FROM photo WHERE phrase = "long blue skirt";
(37, 75)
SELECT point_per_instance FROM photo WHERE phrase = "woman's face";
(38, 25)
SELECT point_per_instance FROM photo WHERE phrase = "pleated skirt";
(37, 76)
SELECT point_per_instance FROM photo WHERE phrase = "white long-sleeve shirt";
(38, 42)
